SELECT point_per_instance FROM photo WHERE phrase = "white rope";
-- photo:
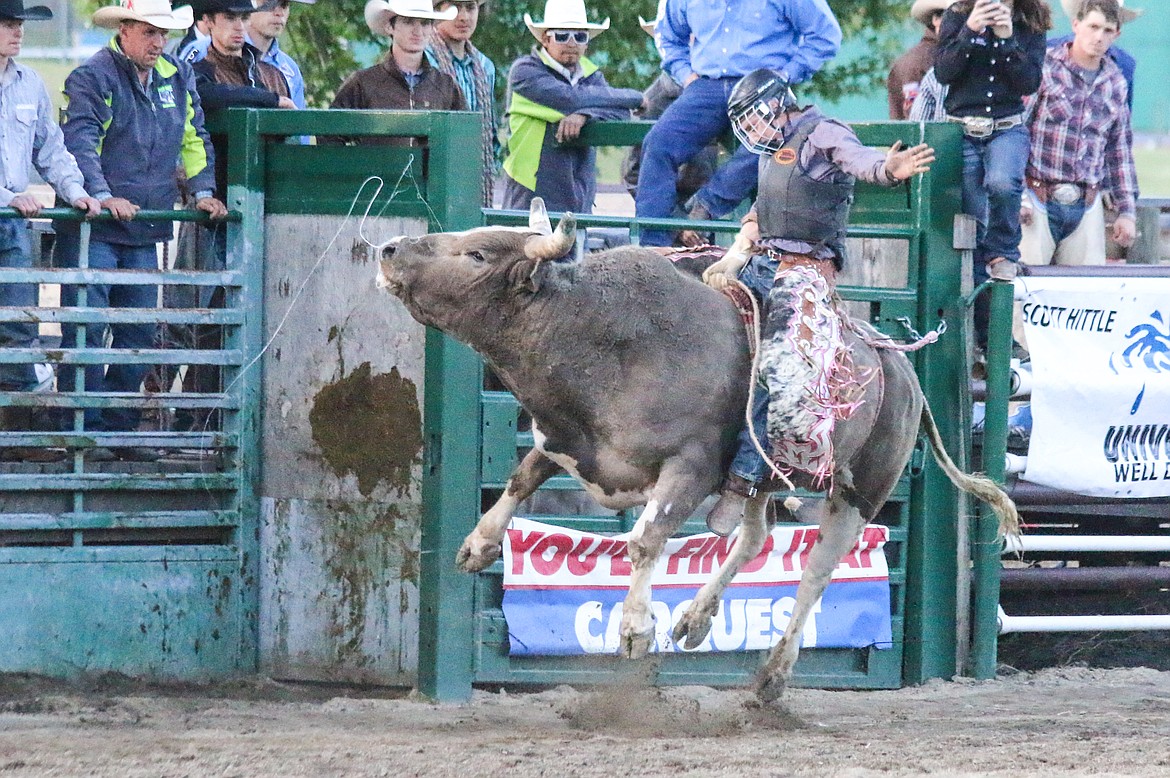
(320, 259)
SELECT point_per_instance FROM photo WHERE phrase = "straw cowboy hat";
(649, 26)
(564, 15)
(922, 9)
(157, 13)
(380, 12)
(14, 9)
(1127, 15)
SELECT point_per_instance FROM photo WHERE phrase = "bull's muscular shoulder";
(636, 293)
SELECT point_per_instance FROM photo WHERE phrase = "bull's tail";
(980, 486)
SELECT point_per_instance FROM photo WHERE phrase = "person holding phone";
(991, 55)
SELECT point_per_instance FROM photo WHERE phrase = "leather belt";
(985, 126)
(1063, 192)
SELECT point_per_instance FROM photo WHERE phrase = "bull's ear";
(555, 246)
(525, 276)
(538, 217)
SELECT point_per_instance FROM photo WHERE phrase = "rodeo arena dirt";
(1059, 721)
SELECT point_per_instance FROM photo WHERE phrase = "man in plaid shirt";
(1082, 148)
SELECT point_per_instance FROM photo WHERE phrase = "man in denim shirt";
(28, 134)
(706, 48)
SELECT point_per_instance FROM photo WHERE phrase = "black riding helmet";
(750, 105)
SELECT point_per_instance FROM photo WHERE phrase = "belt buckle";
(1066, 194)
(978, 126)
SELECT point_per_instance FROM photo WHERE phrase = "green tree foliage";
(329, 40)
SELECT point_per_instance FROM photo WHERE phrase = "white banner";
(1101, 384)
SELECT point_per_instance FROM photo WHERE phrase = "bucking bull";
(636, 376)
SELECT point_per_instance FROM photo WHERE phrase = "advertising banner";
(563, 591)
(1101, 384)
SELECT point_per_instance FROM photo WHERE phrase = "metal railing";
(194, 484)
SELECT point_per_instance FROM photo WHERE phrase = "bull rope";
(792, 502)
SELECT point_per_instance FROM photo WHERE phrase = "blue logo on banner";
(1149, 344)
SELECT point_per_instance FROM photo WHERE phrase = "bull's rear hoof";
(693, 627)
(475, 560)
(769, 688)
(638, 645)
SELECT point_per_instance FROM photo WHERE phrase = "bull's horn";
(555, 246)
(538, 217)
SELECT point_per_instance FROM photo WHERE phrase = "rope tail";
(980, 486)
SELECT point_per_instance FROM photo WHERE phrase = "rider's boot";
(728, 511)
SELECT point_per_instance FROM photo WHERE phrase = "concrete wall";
(342, 446)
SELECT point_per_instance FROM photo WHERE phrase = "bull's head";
(457, 280)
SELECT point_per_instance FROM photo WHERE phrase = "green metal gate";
(140, 568)
(463, 636)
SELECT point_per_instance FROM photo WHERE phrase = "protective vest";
(794, 206)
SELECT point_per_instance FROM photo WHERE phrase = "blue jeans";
(692, 121)
(15, 253)
(993, 180)
(758, 275)
(1063, 220)
(114, 377)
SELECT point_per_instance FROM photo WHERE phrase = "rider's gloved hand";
(723, 272)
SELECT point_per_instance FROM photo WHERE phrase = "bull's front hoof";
(476, 554)
(769, 686)
(637, 645)
(693, 626)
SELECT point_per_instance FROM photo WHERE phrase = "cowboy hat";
(648, 26)
(380, 12)
(1127, 14)
(922, 9)
(564, 15)
(14, 9)
(157, 13)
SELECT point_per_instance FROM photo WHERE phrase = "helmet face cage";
(756, 103)
(756, 129)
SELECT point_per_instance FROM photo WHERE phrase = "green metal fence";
(463, 637)
(141, 568)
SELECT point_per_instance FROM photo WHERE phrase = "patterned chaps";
(805, 367)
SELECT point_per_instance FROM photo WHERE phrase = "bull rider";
(788, 252)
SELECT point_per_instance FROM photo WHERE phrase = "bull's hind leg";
(696, 622)
(483, 545)
(682, 485)
(838, 533)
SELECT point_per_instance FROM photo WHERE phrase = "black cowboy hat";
(14, 9)
(209, 7)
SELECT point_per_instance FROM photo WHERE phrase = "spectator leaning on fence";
(906, 73)
(451, 51)
(552, 93)
(262, 29)
(29, 137)
(1082, 147)
(707, 47)
(990, 54)
(132, 111)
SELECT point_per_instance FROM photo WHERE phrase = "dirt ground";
(1066, 721)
